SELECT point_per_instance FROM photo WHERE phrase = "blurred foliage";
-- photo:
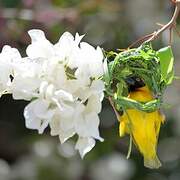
(115, 24)
(10, 3)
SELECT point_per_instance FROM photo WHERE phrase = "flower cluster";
(63, 83)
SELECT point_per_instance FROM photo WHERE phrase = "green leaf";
(125, 72)
(148, 107)
(166, 64)
(170, 77)
(119, 89)
(70, 73)
(106, 76)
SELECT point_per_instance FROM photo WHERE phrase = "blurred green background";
(112, 24)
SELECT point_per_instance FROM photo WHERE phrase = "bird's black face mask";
(134, 83)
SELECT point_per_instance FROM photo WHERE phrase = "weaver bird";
(143, 127)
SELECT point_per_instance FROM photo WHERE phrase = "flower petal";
(92, 121)
(37, 115)
(40, 47)
(84, 145)
(55, 126)
(65, 135)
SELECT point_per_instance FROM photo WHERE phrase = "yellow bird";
(143, 127)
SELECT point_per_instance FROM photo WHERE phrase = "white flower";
(25, 87)
(38, 115)
(87, 126)
(92, 58)
(84, 121)
(67, 48)
(63, 83)
(8, 58)
(26, 79)
(41, 111)
(71, 84)
(54, 72)
(40, 46)
(96, 88)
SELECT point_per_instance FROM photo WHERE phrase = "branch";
(170, 25)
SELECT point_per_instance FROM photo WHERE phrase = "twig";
(170, 25)
(142, 39)
(114, 108)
